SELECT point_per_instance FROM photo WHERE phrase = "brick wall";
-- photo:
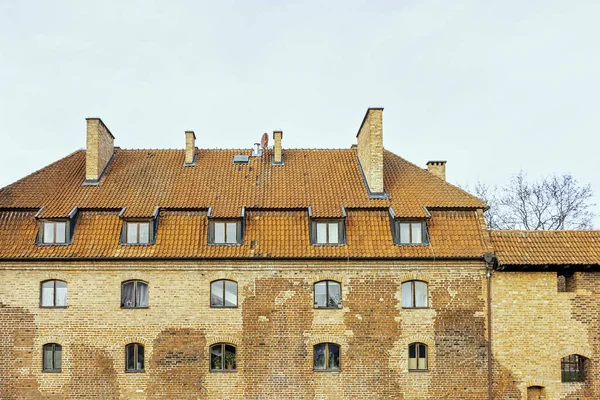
(99, 148)
(370, 149)
(534, 326)
(274, 329)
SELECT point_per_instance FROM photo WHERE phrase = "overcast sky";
(492, 87)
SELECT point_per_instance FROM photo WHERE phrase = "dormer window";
(408, 233)
(328, 232)
(138, 232)
(54, 232)
(225, 232)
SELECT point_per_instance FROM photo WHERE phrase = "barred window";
(573, 368)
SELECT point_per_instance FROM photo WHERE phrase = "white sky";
(492, 87)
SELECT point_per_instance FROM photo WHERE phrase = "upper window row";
(323, 232)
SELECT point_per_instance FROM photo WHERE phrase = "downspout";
(490, 260)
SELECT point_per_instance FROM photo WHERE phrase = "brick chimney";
(99, 149)
(370, 150)
(277, 156)
(190, 149)
(438, 168)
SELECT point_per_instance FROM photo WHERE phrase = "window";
(54, 232)
(134, 357)
(54, 294)
(328, 294)
(134, 294)
(52, 358)
(223, 293)
(222, 357)
(326, 357)
(410, 233)
(326, 232)
(414, 294)
(573, 368)
(565, 281)
(417, 357)
(225, 232)
(137, 232)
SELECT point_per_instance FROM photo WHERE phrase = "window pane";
(231, 232)
(421, 294)
(216, 358)
(422, 351)
(61, 232)
(412, 351)
(404, 233)
(229, 357)
(230, 294)
(140, 357)
(48, 232)
(144, 232)
(321, 233)
(422, 364)
(141, 299)
(132, 229)
(216, 294)
(57, 357)
(61, 294)
(319, 356)
(334, 356)
(407, 294)
(48, 294)
(130, 357)
(219, 232)
(412, 363)
(321, 294)
(48, 356)
(416, 232)
(333, 233)
(335, 295)
(127, 295)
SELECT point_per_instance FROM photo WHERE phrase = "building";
(285, 274)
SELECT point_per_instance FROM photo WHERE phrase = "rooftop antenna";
(264, 141)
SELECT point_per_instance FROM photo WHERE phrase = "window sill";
(134, 308)
(52, 244)
(416, 308)
(223, 371)
(54, 306)
(328, 244)
(232, 307)
(136, 244)
(412, 244)
(135, 371)
(225, 244)
(327, 370)
(418, 370)
(52, 371)
(329, 308)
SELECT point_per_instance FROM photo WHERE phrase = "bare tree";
(553, 203)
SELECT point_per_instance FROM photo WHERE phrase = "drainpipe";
(490, 261)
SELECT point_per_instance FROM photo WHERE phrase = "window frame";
(135, 288)
(576, 364)
(223, 345)
(397, 222)
(125, 232)
(417, 346)
(239, 237)
(41, 237)
(414, 294)
(327, 281)
(224, 292)
(53, 294)
(53, 369)
(136, 347)
(327, 369)
(328, 221)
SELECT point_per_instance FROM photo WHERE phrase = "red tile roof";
(547, 247)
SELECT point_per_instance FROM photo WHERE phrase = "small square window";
(54, 232)
(224, 232)
(137, 232)
(328, 232)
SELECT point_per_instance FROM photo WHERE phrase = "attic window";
(408, 233)
(328, 232)
(241, 159)
(138, 232)
(225, 232)
(54, 232)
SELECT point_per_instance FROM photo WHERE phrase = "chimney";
(277, 156)
(190, 149)
(99, 150)
(437, 168)
(370, 150)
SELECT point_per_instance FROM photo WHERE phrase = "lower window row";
(223, 357)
